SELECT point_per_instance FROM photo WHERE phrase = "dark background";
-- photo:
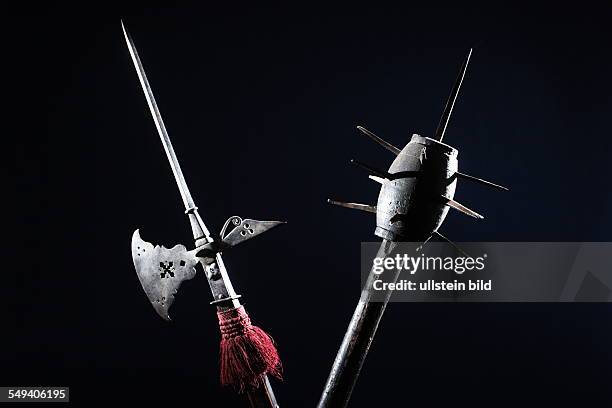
(262, 104)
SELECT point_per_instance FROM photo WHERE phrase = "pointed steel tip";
(126, 33)
(378, 140)
(363, 130)
(377, 179)
(469, 54)
(452, 98)
(482, 181)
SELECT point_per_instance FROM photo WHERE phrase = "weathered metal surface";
(409, 207)
(236, 230)
(161, 271)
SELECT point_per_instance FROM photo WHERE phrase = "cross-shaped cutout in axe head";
(161, 270)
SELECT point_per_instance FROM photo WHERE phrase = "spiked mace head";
(416, 194)
(419, 187)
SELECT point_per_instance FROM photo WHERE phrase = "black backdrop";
(262, 105)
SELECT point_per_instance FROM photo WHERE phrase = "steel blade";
(159, 122)
(161, 271)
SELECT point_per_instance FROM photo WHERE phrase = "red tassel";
(247, 352)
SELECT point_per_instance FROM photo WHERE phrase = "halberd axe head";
(161, 270)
